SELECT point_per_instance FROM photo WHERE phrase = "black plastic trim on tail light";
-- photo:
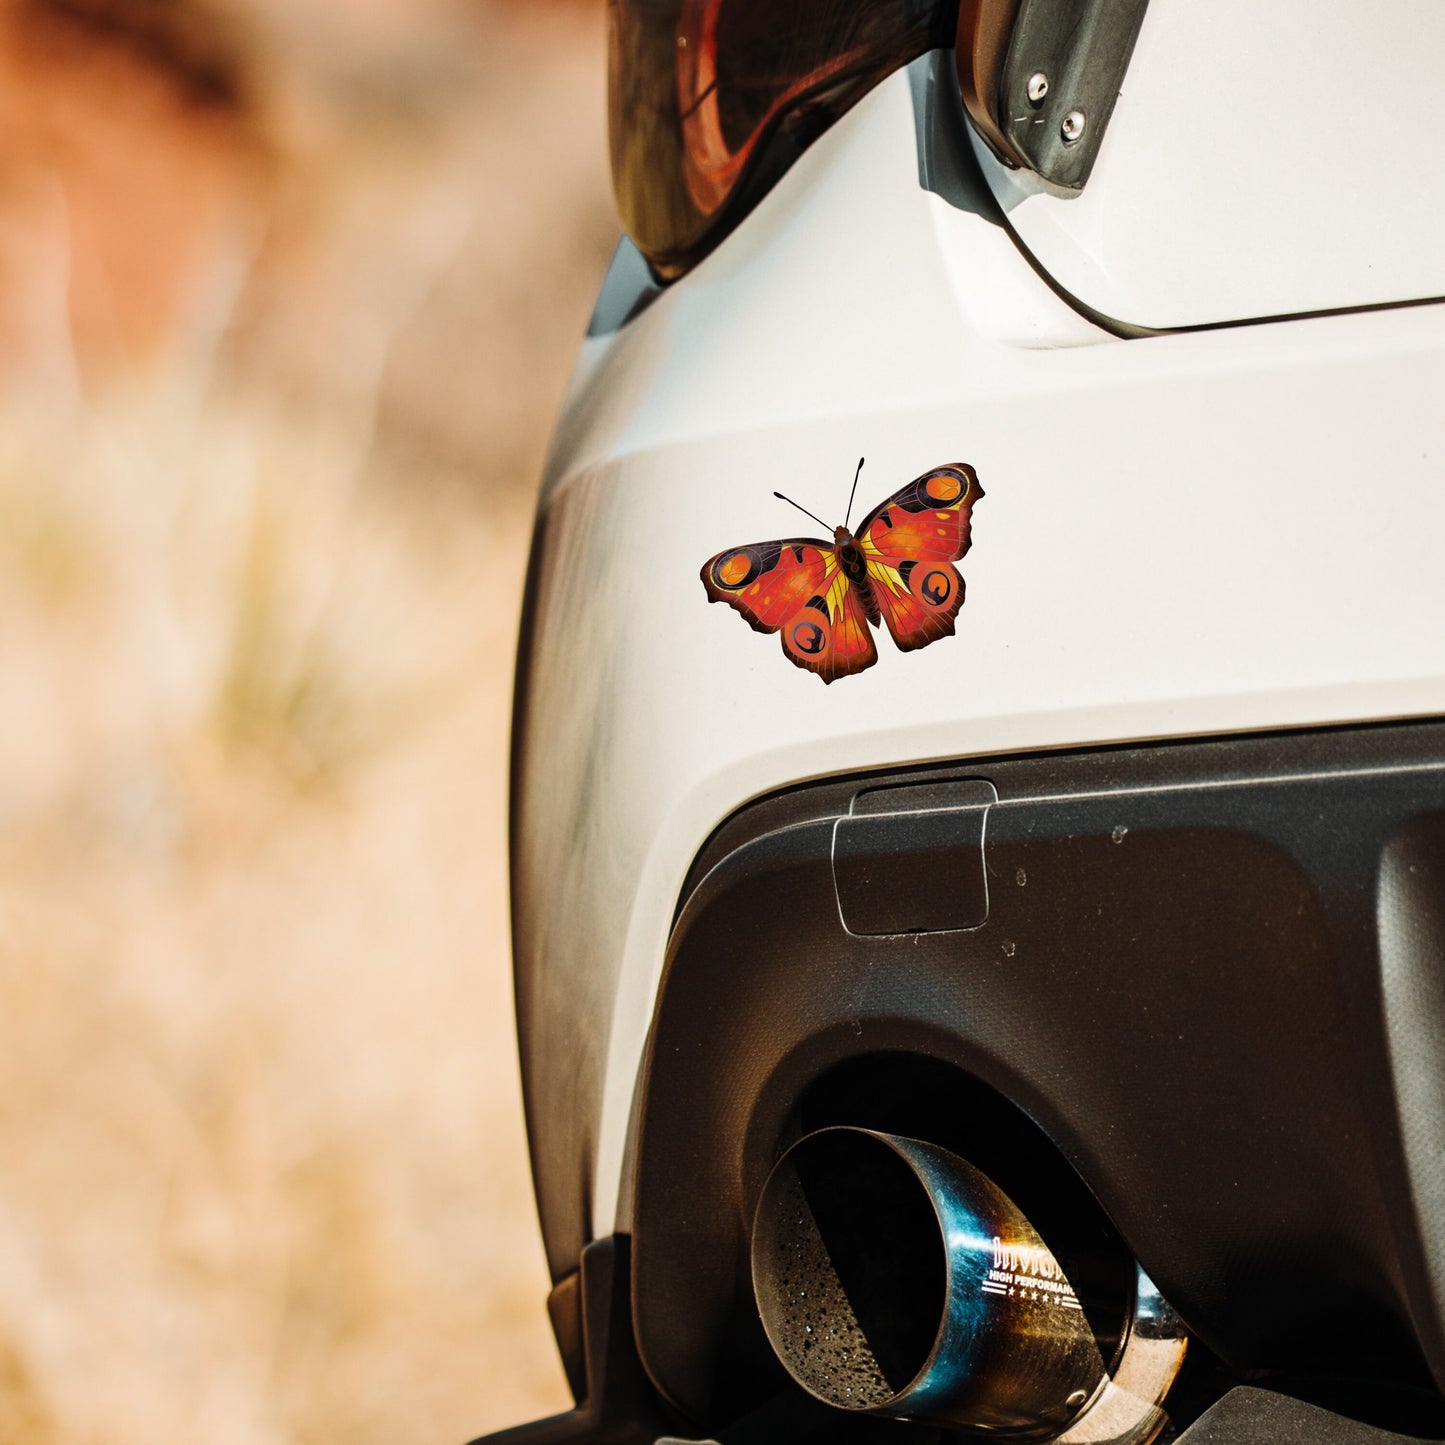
(1083, 47)
(1039, 78)
(710, 101)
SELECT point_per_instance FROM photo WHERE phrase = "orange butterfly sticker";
(898, 569)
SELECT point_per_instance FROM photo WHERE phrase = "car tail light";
(711, 100)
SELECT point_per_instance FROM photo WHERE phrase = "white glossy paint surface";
(1262, 160)
(1182, 535)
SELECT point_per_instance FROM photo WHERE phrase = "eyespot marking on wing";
(809, 637)
(734, 570)
(935, 587)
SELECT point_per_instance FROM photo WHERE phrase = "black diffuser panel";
(1177, 992)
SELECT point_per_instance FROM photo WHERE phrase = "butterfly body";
(854, 566)
(897, 570)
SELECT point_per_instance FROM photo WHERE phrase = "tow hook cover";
(910, 859)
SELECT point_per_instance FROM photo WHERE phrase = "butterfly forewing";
(927, 519)
(768, 582)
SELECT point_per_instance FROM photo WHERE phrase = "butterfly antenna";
(803, 510)
(853, 493)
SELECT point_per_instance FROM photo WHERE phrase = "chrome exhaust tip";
(893, 1278)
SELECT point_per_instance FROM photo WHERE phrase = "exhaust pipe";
(893, 1278)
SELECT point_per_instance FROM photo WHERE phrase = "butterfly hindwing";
(830, 636)
(910, 543)
(797, 588)
(918, 599)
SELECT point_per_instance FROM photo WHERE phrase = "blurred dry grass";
(287, 297)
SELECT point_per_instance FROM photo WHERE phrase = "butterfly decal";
(898, 569)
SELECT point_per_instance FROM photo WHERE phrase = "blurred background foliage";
(288, 294)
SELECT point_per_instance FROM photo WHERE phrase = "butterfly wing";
(796, 587)
(768, 581)
(848, 642)
(910, 543)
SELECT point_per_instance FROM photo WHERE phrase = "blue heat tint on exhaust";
(894, 1278)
